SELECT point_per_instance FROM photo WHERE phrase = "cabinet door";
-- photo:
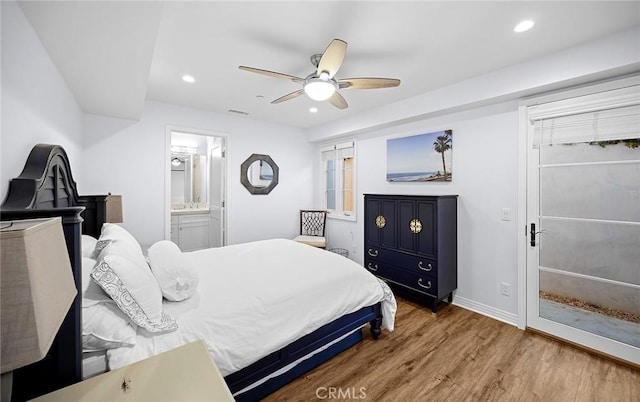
(372, 209)
(388, 232)
(416, 227)
(193, 232)
(426, 238)
(406, 214)
(380, 222)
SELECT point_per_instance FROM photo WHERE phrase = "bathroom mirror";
(259, 174)
(187, 174)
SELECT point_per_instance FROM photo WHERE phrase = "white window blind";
(337, 151)
(604, 125)
(613, 115)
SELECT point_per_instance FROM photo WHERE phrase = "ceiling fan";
(321, 85)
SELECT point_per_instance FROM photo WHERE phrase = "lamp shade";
(114, 209)
(37, 288)
(319, 89)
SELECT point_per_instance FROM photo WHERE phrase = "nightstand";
(186, 373)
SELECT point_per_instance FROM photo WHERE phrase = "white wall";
(485, 180)
(37, 105)
(128, 158)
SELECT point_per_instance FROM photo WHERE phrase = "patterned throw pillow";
(124, 275)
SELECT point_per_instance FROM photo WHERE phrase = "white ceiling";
(116, 55)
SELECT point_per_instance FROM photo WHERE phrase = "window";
(338, 179)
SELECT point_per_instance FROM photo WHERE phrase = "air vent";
(238, 112)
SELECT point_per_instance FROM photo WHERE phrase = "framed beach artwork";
(420, 158)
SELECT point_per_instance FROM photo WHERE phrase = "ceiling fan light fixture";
(318, 89)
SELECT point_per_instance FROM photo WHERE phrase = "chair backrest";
(312, 222)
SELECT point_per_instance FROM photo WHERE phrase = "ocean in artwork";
(413, 176)
(420, 158)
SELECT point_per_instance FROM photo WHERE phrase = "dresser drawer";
(413, 263)
(421, 283)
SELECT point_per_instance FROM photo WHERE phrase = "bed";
(272, 309)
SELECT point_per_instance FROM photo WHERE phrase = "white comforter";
(256, 298)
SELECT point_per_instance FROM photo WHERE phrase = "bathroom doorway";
(195, 188)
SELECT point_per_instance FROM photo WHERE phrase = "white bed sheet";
(258, 297)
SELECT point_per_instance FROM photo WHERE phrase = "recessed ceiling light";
(313, 109)
(188, 78)
(524, 26)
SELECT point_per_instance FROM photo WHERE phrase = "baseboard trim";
(497, 314)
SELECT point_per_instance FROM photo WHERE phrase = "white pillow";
(103, 324)
(105, 327)
(111, 232)
(88, 246)
(123, 273)
(175, 274)
(91, 292)
(87, 267)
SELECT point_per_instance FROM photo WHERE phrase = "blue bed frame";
(347, 324)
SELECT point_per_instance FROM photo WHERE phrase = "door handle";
(532, 233)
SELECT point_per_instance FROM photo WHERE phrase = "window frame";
(338, 213)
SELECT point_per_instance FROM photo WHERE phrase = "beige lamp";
(37, 290)
(113, 209)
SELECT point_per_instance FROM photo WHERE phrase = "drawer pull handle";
(427, 286)
(373, 253)
(373, 268)
(428, 268)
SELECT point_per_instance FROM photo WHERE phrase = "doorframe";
(167, 177)
(523, 234)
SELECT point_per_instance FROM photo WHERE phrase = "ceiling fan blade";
(368, 83)
(332, 57)
(338, 101)
(272, 74)
(289, 96)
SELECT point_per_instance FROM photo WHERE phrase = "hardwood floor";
(459, 355)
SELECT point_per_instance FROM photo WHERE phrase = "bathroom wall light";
(176, 162)
(184, 149)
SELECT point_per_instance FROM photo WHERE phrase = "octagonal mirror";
(259, 174)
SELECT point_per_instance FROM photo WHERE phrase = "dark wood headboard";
(46, 183)
(46, 188)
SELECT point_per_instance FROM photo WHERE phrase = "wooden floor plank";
(458, 355)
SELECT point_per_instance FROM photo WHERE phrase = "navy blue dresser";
(411, 242)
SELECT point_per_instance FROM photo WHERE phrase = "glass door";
(583, 260)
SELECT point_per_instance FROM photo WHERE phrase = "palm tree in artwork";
(442, 144)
